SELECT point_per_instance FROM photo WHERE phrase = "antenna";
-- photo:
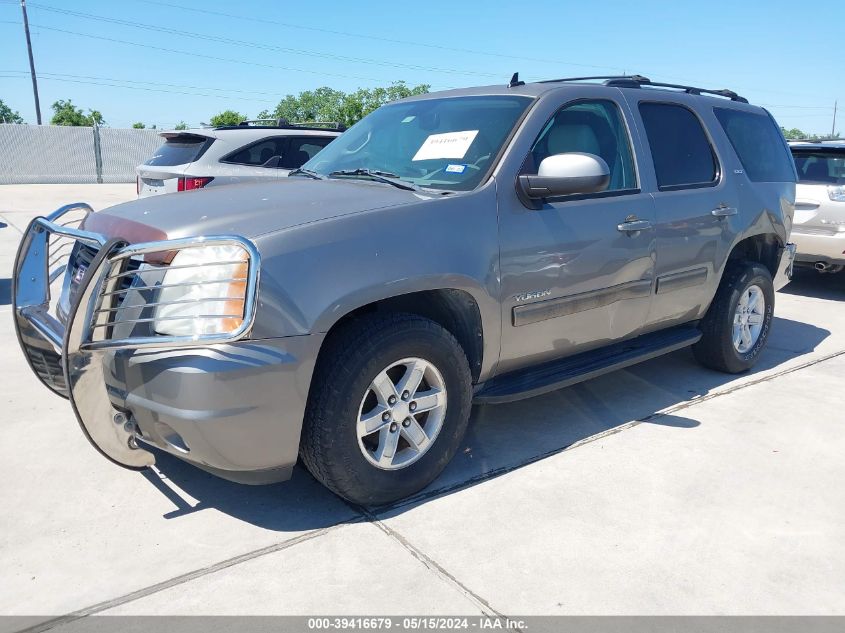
(514, 82)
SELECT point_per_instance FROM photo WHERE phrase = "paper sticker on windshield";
(455, 169)
(447, 145)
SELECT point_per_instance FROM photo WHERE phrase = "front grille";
(82, 262)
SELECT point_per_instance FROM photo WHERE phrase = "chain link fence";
(32, 154)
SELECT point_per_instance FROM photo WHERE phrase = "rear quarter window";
(758, 143)
(179, 150)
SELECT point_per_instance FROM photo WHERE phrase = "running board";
(557, 374)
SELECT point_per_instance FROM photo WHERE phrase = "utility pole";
(833, 129)
(31, 62)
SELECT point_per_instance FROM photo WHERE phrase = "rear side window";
(682, 154)
(758, 143)
(301, 150)
(258, 153)
(820, 166)
(179, 150)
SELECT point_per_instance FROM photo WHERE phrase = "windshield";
(820, 166)
(445, 143)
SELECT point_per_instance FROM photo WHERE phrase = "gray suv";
(472, 246)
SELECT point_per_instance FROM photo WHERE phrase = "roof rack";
(284, 124)
(638, 81)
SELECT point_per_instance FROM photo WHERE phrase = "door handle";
(723, 211)
(631, 226)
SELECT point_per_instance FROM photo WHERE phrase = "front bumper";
(234, 409)
(226, 404)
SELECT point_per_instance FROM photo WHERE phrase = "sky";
(165, 61)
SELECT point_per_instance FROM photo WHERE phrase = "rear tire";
(736, 326)
(357, 376)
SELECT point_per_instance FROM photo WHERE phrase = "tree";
(7, 115)
(328, 104)
(138, 126)
(793, 134)
(181, 126)
(228, 117)
(65, 113)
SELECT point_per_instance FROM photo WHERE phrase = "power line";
(279, 95)
(47, 77)
(378, 38)
(801, 107)
(200, 55)
(257, 45)
(149, 83)
(616, 68)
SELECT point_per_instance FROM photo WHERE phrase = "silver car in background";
(818, 228)
(209, 157)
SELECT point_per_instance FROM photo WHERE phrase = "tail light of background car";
(187, 183)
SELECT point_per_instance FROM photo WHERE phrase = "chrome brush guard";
(68, 318)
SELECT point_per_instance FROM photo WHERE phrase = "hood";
(248, 209)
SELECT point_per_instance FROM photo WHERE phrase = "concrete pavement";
(662, 489)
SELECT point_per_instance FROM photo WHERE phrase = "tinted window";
(679, 147)
(258, 153)
(180, 150)
(758, 143)
(301, 150)
(592, 127)
(821, 166)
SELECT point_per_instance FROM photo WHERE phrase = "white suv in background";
(818, 227)
(208, 157)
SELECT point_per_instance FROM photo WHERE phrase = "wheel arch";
(456, 310)
(764, 248)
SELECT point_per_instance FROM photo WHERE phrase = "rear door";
(161, 172)
(696, 205)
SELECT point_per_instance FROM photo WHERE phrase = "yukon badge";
(531, 296)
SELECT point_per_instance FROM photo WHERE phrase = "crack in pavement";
(371, 515)
(183, 578)
(430, 563)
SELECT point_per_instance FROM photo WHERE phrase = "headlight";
(836, 193)
(203, 292)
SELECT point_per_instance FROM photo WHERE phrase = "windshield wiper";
(307, 172)
(378, 176)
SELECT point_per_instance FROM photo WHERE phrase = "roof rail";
(638, 81)
(284, 124)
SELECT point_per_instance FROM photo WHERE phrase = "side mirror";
(566, 174)
(273, 161)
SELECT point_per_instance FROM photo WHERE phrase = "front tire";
(389, 405)
(737, 324)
